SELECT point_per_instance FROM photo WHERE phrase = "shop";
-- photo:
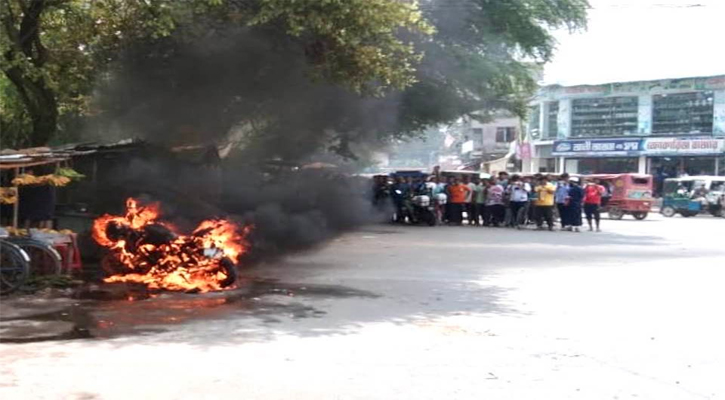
(680, 156)
(660, 156)
(599, 156)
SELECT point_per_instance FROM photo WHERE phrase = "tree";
(54, 51)
(286, 77)
(483, 57)
(24, 56)
(356, 43)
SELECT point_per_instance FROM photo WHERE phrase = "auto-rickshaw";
(626, 194)
(692, 195)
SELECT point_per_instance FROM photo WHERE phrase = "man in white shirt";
(519, 195)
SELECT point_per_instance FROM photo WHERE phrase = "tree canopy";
(285, 77)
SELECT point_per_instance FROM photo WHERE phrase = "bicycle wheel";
(14, 267)
(44, 258)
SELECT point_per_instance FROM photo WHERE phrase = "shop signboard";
(683, 146)
(597, 148)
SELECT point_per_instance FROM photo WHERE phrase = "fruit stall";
(29, 179)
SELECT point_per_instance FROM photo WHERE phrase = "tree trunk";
(38, 98)
(40, 103)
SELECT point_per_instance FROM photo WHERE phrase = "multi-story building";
(487, 145)
(671, 126)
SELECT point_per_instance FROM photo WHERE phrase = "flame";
(149, 251)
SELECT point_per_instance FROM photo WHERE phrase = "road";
(418, 313)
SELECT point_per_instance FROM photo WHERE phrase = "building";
(670, 126)
(488, 145)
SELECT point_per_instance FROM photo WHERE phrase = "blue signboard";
(597, 148)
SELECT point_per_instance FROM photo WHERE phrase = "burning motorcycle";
(143, 249)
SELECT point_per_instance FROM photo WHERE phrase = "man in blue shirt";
(561, 197)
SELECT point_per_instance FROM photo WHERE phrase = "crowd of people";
(503, 201)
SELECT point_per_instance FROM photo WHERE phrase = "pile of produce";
(25, 232)
(61, 177)
(8, 195)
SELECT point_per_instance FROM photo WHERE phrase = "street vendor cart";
(29, 198)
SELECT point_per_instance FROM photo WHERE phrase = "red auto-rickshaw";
(628, 194)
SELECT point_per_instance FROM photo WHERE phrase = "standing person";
(530, 182)
(479, 199)
(470, 204)
(574, 206)
(381, 193)
(447, 208)
(440, 198)
(607, 192)
(400, 193)
(458, 193)
(592, 201)
(544, 203)
(560, 198)
(485, 210)
(519, 199)
(494, 202)
(503, 180)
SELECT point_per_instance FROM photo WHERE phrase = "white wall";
(489, 132)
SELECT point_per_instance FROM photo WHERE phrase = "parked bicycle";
(14, 267)
(44, 258)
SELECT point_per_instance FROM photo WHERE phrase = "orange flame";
(202, 261)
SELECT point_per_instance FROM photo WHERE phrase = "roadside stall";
(29, 179)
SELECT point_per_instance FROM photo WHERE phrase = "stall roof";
(44, 155)
(11, 159)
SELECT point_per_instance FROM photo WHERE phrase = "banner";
(683, 146)
(597, 148)
(523, 151)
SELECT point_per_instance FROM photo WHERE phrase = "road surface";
(389, 312)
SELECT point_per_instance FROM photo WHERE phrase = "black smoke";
(288, 210)
(252, 88)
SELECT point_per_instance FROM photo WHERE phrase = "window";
(607, 116)
(552, 125)
(549, 165)
(682, 113)
(534, 119)
(505, 134)
(477, 134)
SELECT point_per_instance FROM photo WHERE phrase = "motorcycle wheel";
(639, 215)
(111, 266)
(230, 270)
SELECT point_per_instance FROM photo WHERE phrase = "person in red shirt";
(593, 192)
(458, 193)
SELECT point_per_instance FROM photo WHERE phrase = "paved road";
(420, 313)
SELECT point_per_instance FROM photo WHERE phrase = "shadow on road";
(379, 274)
